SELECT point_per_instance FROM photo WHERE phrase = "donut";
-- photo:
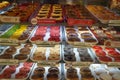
(38, 77)
(105, 59)
(21, 56)
(53, 70)
(10, 50)
(97, 48)
(25, 50)
(114, 54)
(100, 53)
(72, 73)
(39, 70)
(20, 75)
(6, 56)
(27, 64)
(24, 70)
(52, 76)
(109, 49)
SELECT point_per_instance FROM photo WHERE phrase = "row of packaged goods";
(59, 13)
(34, 71)
(67, 53)
(75, 35)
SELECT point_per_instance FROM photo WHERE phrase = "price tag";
(9, 19)
(46, 21)
(78, 64)
(45, 63)
(8, 62)
(114, 64)
(112, 43)
(114, 21)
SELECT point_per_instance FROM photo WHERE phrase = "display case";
(75, 40)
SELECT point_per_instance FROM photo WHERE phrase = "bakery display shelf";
(80, 36)
(103, 14)
(17, 72)
(46, 54)
(46, 35)
(16, 34)
(46, 72)
(106, 55)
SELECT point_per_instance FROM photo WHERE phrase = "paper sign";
(9, 19)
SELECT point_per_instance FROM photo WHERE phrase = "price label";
(114, 21)
(45, 63)
(8, 62)
(46, 21)
(114, 64)
(9, 19)
(78, 64)
(112, 43)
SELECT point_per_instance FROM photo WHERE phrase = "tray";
(17, 68)
(46, 37)
(46, 71)
(45, 52)
(78, 60)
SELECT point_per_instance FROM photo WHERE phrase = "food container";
(106, 55)
(44, 72)
(82, 56)
(17, 72)
(24, 52)
(46, 54)
(72, 72)
(45, 37)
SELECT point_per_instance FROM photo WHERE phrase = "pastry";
(85, 71)
(54, 57)
(38, 77)
(100, 53)
(24, 70)
(68, 48)
(90, 40)
(52, 76)
(116, 76)
(114, 54)
(9, 70)
(28, 45)
(105, 76)
(39, 56)
(99, 71)
(72, 74)
(28, 64)
(53, 70)
(21, 56)
(105, 59)
(82, 50)
(97, 47)
(109, 49)
(86, 35)
(10, 50)
(21, 75)
(25, 50)
(39, 70)
(6, 56)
